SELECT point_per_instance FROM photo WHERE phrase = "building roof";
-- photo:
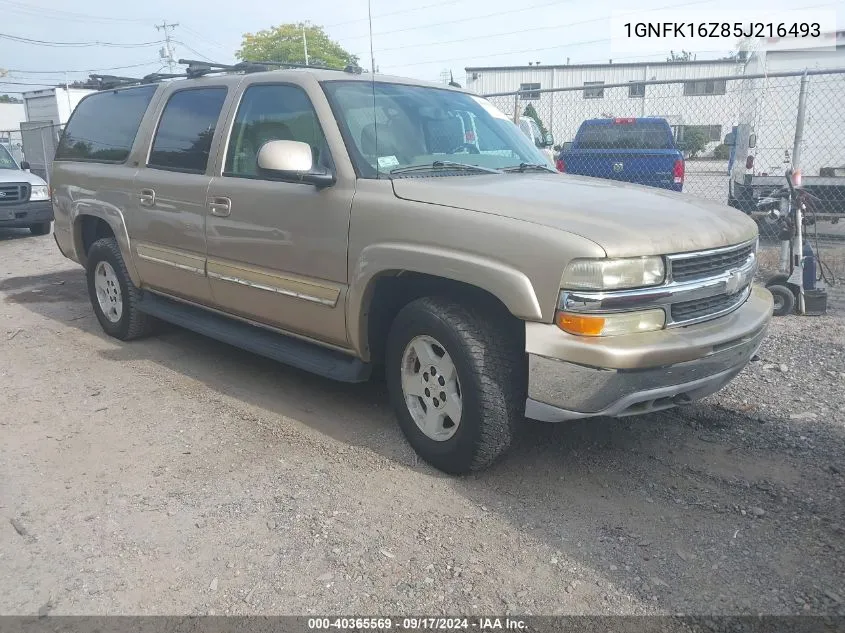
(692, 62)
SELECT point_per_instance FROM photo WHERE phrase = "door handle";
(220, 206)
(148, 198)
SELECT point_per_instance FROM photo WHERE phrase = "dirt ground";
(177, 475)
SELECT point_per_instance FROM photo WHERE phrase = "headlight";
(610, 324)
(613, 274)
(39, 192)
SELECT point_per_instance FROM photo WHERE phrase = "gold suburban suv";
(339, 221)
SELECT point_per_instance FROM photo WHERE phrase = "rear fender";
(111, 215)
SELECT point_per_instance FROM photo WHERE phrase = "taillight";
(749, 162)
(561, 166)
(625, 120)
(678, 172)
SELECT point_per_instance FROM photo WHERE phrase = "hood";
(624, 219)
(19, 175)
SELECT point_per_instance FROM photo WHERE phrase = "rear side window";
(183, 139)
(625, 136)
(103, 126)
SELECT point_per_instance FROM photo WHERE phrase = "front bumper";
(639, 373)
(25, 214)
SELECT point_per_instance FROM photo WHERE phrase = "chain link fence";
(34, 142)
(726, 139)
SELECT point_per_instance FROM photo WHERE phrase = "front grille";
(14, 192)
(698, 308)
(687, 268)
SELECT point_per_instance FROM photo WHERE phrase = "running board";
(285, 349)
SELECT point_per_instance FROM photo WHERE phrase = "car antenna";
(373, 79)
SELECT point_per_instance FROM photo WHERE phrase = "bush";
(694, 142)
(722, 152)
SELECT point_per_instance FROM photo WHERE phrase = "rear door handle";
(220, 206)
(148, 198)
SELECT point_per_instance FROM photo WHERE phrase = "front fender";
(512, 287)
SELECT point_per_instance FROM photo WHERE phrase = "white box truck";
(794, 117)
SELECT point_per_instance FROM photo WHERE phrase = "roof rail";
(110, 82)
(197, 68)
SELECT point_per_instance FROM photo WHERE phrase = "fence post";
(44, 154)
(516, 108)
(799, 123)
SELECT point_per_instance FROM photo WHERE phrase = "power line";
(205, 40)
(85, 70)
(384, 15)
(194, 51)
(550, 48)
(537, 28)
(525, 50)
(48, 12)
(468, 19)
(27, 40)
(23, 83)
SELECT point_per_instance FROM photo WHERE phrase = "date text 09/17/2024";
(722, 29)
(482, 624)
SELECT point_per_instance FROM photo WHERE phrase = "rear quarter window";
(625, 136)
(104, 125)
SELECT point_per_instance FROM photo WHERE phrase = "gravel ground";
(178, 475)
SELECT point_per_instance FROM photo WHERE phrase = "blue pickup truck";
(641, 151)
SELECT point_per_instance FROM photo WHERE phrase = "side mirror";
(25, 165)
(752, 141)
(730, 139)
(292, 161)
(549, 139)
(567, 146)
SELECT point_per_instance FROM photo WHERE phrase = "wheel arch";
(389, 276)
(91, 223)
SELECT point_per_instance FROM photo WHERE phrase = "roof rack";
(197, 68)
(109, 82)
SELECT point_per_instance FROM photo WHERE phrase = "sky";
(418, 39)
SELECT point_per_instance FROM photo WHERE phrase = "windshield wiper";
(523, 167)
(443, 164)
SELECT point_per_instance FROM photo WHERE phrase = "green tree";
(284, 43)
(532, 113)
(693, 142)
(9, 99)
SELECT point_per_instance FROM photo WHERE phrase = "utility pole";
(305, 44)
(166, 52)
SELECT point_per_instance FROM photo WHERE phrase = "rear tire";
(487, 396)
(114, 297)
(783, 298)
(40, 228)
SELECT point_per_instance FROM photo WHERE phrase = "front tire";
(40, 228)
(114, 297)
(456, 378)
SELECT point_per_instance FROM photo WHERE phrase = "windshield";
(390, 126)
(6, 160)
(625, 136)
